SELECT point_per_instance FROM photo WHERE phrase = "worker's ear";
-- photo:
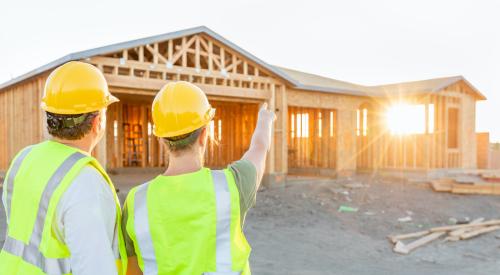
(203, 137)
(99, 122)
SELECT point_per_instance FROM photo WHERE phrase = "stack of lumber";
(453, 233)
(491, 176)
(467, 185)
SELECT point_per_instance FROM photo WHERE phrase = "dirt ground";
(298, 229)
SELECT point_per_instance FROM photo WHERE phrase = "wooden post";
(184, 52)
(284, 130)
(197, 52)
(170, 50)
(141, 54)
(145, 137)
(155, 54)
(121, 148)
(210, 55)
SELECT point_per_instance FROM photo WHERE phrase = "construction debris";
(466, 186)
(405, 219)
(454, 233)
(344, 208)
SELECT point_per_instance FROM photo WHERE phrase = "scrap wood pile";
(452, 233)
(487, 183)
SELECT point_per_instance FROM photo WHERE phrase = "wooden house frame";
(324, 126)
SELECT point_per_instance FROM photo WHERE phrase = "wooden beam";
(245, 68)
(120, 149)
(235, 64)
(125, 54)
(141, 54)
(455, 234)
(197, 53)
(405, 249)
(153, 85)
(133, 64)
(395, 239)
(156, 54)
(471, 234)
(222, 64)
(454, 227)
(184, 52)
(210, 55)
(203, 43)
(170, 51)
(145, 138)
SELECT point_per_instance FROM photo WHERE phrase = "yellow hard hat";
(76, 88)
(180, 108)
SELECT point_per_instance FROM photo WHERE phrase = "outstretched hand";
(266, 114)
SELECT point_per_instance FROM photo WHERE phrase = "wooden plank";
(455, 235)
(135, 85)
(459, 226)
(405, 249)
(442, 185)
(395, 239)
(471, 234)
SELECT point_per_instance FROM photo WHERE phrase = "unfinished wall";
(21, 122)
(483, 150)
(468, 133)
(345, 107)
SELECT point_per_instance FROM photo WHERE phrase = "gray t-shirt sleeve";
(85, 222)
(245, 176)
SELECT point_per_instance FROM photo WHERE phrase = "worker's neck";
(187, 162)
(85, 144)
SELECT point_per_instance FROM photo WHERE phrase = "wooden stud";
(170, 51)
(156, 54)
(405, 249)
(141, 54)
(210, 55)
(197, 54)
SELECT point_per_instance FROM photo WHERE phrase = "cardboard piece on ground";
(405, 249)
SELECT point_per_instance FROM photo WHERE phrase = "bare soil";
(297, 229)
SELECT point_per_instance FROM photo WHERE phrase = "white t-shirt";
(85, 222)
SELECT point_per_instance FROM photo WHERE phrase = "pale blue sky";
(366, 42)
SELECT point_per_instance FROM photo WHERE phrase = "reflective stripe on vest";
(142, 232)
(223, 227)
(30, 252)
(12, 175)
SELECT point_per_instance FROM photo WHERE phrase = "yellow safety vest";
(34, 184)
(188, 224)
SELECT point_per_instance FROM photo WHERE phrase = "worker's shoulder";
(134, 189)
(90, 179)
(242, 168)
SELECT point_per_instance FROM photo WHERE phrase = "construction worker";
(62, 209)
(189, 219)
